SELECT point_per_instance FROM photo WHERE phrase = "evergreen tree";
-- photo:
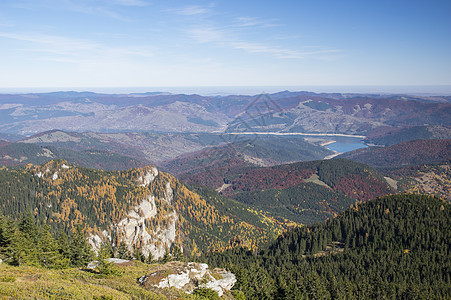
(28, 226)
(138, 255)
(50, 256)
(122, 251)
(149, 259)
(63, 245)
(166, 258)
(80, 250)
(7, 229)
(206, 293)
(24, 251)
(177, 253)
(105, 267)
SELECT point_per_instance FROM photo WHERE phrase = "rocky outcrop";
(148, 177)
(137, 230)
(188, 277)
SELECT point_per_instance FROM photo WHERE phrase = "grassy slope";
(38, 283)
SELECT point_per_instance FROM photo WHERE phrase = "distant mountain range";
(28, 114)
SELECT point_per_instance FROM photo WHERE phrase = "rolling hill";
(387, 136)
(432, 179)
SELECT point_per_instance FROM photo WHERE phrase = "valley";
(225, 150)
(286, 190)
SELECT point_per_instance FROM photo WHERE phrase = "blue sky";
(131, 43)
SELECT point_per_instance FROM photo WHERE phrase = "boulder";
(188, 277)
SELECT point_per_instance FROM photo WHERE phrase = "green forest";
(394, 247)
(25, 243)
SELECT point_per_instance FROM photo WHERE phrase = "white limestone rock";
(133, 230)
(137, 229)
(227, 281)
(95, 241)
(149, 177)
(188, 277)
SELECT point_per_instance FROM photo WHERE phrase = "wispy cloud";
(227, 38)
(59, 48)
(274, 51)
(255, 22)
(207, 34)
(106, 8)
(239, 33)
(279, 52)
(130, 2)
(191, 10)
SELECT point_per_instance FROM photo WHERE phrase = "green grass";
(37, 283)
(315, 179)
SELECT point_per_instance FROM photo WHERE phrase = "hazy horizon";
(429, 90)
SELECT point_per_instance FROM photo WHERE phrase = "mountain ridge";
(143, 207)
(284, 112)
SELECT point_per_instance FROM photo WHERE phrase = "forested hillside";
(387, 135)
(403, 154)
(111, 205)
(213, 165)
(356, 180)
(432, 179)
(395, 247)
(307, 192)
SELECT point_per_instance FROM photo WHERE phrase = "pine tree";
(23, 250)
(7, 229)
(138, 255)
(105, 267)
(63, 245)
(177, 253)
(50, 257)
(149, 258)
(122, 251)
(80, 251)
(28, 226)
(166, 258)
